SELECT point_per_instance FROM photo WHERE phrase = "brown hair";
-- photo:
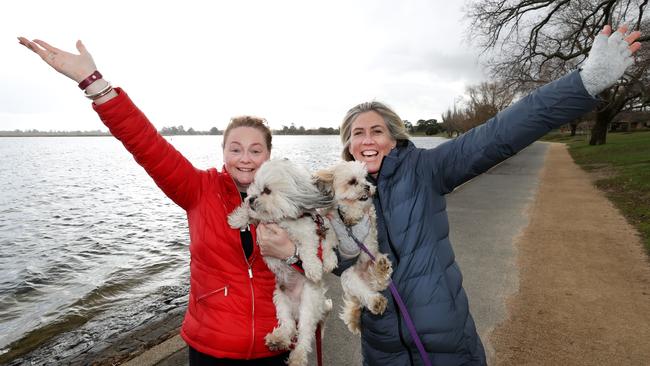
(257, 123)
(394, 124)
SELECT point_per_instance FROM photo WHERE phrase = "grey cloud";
(446, 65)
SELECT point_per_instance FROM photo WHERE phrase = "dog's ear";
(323, 180)
(325, 176)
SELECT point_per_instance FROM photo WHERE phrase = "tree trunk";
(574, 127)
(599, 131)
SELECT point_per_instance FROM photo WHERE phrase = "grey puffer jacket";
(414, 229)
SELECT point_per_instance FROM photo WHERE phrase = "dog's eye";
(353, 182)
(266, 191)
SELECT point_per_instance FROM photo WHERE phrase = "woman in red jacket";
(230, 307)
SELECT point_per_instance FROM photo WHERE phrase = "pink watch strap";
(89, 80)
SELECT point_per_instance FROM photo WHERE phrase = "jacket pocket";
(215, 294)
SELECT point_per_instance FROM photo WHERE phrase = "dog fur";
(284, 193)
(361, 283)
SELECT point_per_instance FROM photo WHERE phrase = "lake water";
(89, 246)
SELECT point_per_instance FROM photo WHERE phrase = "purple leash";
(400, 304)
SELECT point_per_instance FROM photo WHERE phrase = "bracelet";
(89, 80)
(107, 89)
(293, 259)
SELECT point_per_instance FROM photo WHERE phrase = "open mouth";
(364, 197)
(370, 153)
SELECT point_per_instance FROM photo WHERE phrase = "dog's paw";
(276, 342)
(330, 261)
(351, 316)
(313, 273)
(298, 357)
(382, 270)
(377, 304)
(328, 306)
(238, 219)
(383, 266)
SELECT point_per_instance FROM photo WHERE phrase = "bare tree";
(452, 122)
(483, 102)
(532, 42)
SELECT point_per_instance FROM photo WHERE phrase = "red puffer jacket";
(230, 306)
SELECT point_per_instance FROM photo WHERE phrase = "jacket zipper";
(250, 276)
(250, 282)
(397, 310)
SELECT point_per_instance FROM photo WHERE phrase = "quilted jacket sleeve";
(174, 174)
(550, 106)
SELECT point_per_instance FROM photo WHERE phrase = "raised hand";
(611, 54)
(76, 67)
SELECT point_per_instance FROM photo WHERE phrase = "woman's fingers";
(630, 39)
(47, 46)
(32, 46)
(272, 228)
(634, 46)
(39, 47)
(633, 37)
(607, 30)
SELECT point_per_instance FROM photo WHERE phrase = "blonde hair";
(394, 124)
(257, 123)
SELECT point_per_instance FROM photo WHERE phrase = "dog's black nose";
(251, 199)
(367, 188)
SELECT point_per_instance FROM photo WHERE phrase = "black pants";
(201, 359)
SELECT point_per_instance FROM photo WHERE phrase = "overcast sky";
(198, 63)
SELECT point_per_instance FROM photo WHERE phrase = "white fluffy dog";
(284, 193)
(362, 282)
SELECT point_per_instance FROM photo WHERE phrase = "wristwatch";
(294, 258)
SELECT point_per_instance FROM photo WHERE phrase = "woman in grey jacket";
(411, 212)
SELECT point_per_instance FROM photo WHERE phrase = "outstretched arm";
(176, 176)
(521, 124)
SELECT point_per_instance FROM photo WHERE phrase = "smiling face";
(370, 140)
(244, 151)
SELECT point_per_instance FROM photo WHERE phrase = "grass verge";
(623, 168)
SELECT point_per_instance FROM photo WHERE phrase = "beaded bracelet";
(107, 89)
(89, 80)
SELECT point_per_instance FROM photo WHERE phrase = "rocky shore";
(80, 347)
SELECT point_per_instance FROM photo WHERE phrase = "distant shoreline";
(108, 134)
(2, 134)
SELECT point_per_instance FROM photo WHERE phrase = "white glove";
(606, 63)
(348, 248)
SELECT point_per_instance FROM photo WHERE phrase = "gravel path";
(584, 280)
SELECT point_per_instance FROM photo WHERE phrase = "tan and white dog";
(346, 182)
(284, 193)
